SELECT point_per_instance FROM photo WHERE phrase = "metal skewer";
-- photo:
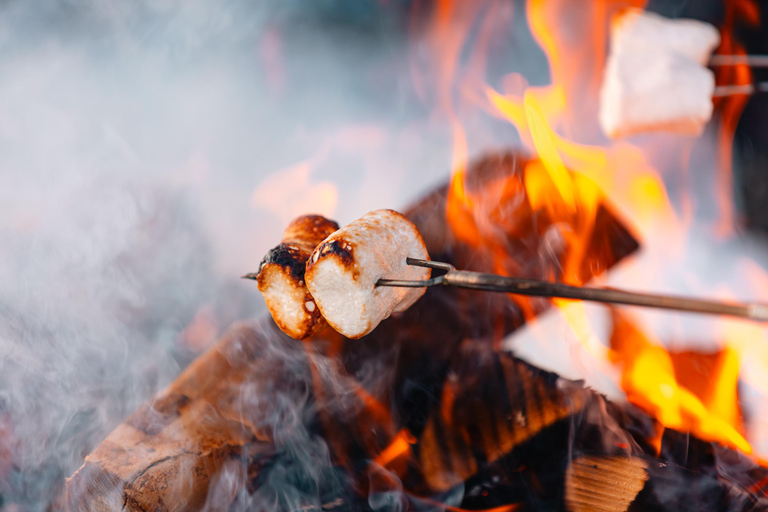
(730, 90)
(496, 283)
(753, 61)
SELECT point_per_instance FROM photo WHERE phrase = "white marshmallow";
(635, 29)
(654, 77)
(343, 270)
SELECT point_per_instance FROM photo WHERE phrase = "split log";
(604, 484)
(165, 454)
(565, 448)
(310, 444)
(263, 418)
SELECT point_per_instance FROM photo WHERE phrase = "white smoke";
(133, 138)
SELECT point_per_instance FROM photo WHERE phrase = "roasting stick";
(496, 283)
(730, 90)
(753, 61)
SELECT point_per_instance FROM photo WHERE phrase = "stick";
(754, 61)
(496, 283)
(730, 90)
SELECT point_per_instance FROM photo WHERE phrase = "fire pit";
(424, 412)
(577, 146)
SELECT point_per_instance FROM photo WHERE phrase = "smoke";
(139, 142)
(92, 303)
(136, 144)
(132, 139)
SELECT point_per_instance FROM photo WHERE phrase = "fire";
(575, 171)
(685, 391)
(731, 106)
(398, 451)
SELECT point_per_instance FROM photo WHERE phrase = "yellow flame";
(568, 182)
(651, 382)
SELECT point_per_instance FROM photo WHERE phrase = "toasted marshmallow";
(655, 77)
(343, 270)
(281, 276)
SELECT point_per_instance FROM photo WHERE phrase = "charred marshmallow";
(281, 276)
(343, 270)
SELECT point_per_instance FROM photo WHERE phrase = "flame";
(731, 107)
(459, 204)
(399, 450)
(685, 391)
(569, 180)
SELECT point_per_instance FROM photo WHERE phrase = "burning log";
(553, 444)
(464, 432)
(209, 440)
(264, 417)
(604, 484)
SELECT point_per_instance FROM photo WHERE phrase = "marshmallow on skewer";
(281, 276)
(655, 77)
(343, 271)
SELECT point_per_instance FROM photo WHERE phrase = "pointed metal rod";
(746, 89)
(537, 288)
(753, 61)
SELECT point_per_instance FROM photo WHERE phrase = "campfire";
(431, 410)
(467, 399)
(426, 412)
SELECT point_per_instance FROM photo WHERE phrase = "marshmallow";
(342, 272)
(281, 276)
(655, 77)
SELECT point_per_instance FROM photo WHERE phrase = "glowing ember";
(399, 450)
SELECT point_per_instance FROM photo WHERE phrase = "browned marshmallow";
(281, 276)
(343, 271)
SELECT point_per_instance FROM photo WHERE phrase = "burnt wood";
(261, 418)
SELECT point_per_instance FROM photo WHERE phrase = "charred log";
(261, 418)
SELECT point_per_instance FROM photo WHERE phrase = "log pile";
(422, 414)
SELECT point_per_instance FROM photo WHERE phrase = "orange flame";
(731, 107)
(399, 450)
(685, 391)
(571, 177)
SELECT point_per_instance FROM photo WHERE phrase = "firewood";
(163, 456)
(242, 407)
(603, 484)
(490, 404)
(594, 457)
